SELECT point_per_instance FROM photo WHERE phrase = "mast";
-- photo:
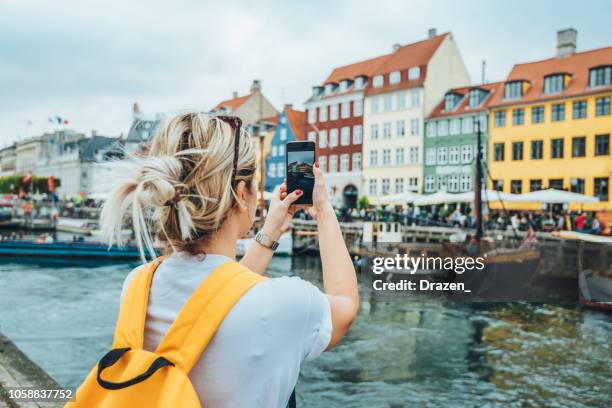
(478, 183)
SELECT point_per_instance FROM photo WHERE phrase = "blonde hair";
(182, 190)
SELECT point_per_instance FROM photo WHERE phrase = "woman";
(197, 189)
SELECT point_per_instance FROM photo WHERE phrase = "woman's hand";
(280, 212)
(320, 200)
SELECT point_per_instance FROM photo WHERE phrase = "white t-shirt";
(254, 358)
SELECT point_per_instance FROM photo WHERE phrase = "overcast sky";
(89, 62)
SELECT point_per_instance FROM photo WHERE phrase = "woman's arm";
(339, 278)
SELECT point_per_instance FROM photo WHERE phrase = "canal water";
(396, 354)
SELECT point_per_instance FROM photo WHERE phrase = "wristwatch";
(266, 241)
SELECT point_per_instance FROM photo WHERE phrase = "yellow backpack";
(129, 376)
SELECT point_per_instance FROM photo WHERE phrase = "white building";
(403, 90)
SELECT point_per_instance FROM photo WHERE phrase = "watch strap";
(266, 241)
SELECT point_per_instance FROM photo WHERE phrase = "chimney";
(256, 86)
(396, 47)
(234, 94)
(94, 133)
(432, 33)
(135, 110)
(566, 42)
(288, 106)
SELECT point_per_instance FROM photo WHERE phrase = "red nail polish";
(316, 164)
(298, 192)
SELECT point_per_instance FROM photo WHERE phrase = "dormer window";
(330, 88)
(513, 90)
(394, 77)
(414, 73)
(451, 100)
(317, 91)
(345, 84)
(600, 76)
(476, 97)
(378, 81)
(360, 82)
(554, 83)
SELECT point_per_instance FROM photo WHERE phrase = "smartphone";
(300, 159)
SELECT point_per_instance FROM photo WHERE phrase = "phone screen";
(300, 159)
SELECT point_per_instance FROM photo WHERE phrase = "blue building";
(290, 128)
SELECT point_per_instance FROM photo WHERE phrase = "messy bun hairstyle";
(182, 190)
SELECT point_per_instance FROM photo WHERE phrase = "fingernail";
(298, 192)
(317, 164)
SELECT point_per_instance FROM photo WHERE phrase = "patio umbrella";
(439, 197)
(400, 198)
(487, 195)
(552, 196)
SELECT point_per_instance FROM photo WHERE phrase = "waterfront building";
(550, 127)
(335, 123)
(450, 138)
(290, 128)
(404, 89)
(8, 160)
(141, 131)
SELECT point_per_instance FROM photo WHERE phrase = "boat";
(67, 249)
(76, 226)
(285, 245)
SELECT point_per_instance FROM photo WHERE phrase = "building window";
(386, 130)
(451, 100)
(467, 125)
(558, 112)
(356, 161)
(271, 170)
(344, 163)
(385, 186)
(323, 139)
(441, 183)
(414, 127)
(399, 185)
(430, 182)
(345, 136)
(323, 114)
(394, 77)
(442, 155)
(312, 136)
(415, 98)
(374, 104)
(372, 187)
(498, 185)
(602, 106)
(414, 155)
(578, 146)
(344, 84)
(374, 132)
(500, 118)
(467, 153)
(414, 73)
(443, 128)
(400, 128)
(556, 148)
(537, 149)
(455, 126)
(274, 150)
(360, 82)
(401, 100)
(537, 114)
(312, 115)
(453, 182)
(554, 83)
(399, 156)
(535, 185)
(466, 182)
(333, 111)
(577, 185)
(330, 88)
(358, 107)
(475, 98)
(357, 134)
(600, 76)
(281, 150)
(346, 110)
(516, 186)
(413, 183)
(378, 81)
(387, 103)
(579, 109)
(373, 158)
(601, 186)
(386, 157)
(323, 162)
(333, 163)
(431, 129)
(453, 155)
(517, 150)
(513, 89)
(430, 156)
(518, 117)
(333, 138)
(557, 184)
(602, 145)
(283, 134)
(498, 152)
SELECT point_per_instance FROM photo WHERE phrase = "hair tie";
(173, 201)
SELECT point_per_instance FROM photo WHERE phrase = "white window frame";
(399, 156)
(358, 107)
(399, 185)
(333, 137)
(374, 104)
(414, 73)
(312, 115)
(312, 136)
(386, 157)
(373, 158)
(430, 156)
(373, 187)
(346, 110)
(414, 155)
(430, 183)
(454, 155)
(356, 162)
(333, 163)
(357, 134)
(323, 162)
(344, 163)
(400, 128)
(395, 77)
(415, 127)
(345, 136)
(378, 81)
(415, 98)
(387, 130)
(333, 111)
(374, 131)
(442, 155)
(283, 133)
(323, 113)
(387, 103)
(467, 153)
(323, 139)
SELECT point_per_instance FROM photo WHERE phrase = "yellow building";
(551, 126)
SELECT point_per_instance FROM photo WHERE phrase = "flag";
(51, 120)
(65, 121)
(27, 177)
(59, 120)
(51, 184)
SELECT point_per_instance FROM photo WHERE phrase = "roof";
(356, 69)
(296, 120)
(90, 146)
(577, 65)
(233, 103)
(142, 130)
(493, 88)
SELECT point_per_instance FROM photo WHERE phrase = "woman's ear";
(242, 193)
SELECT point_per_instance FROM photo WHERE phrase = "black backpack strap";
(292, 402)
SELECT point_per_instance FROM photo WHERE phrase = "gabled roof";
(142, 130)
(233, 103)
(577, 65)
(296, 120)
(356, 69)
(493, 88)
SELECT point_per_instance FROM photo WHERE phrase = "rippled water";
(396, 354)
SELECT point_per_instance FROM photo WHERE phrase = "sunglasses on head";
(236, 125)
